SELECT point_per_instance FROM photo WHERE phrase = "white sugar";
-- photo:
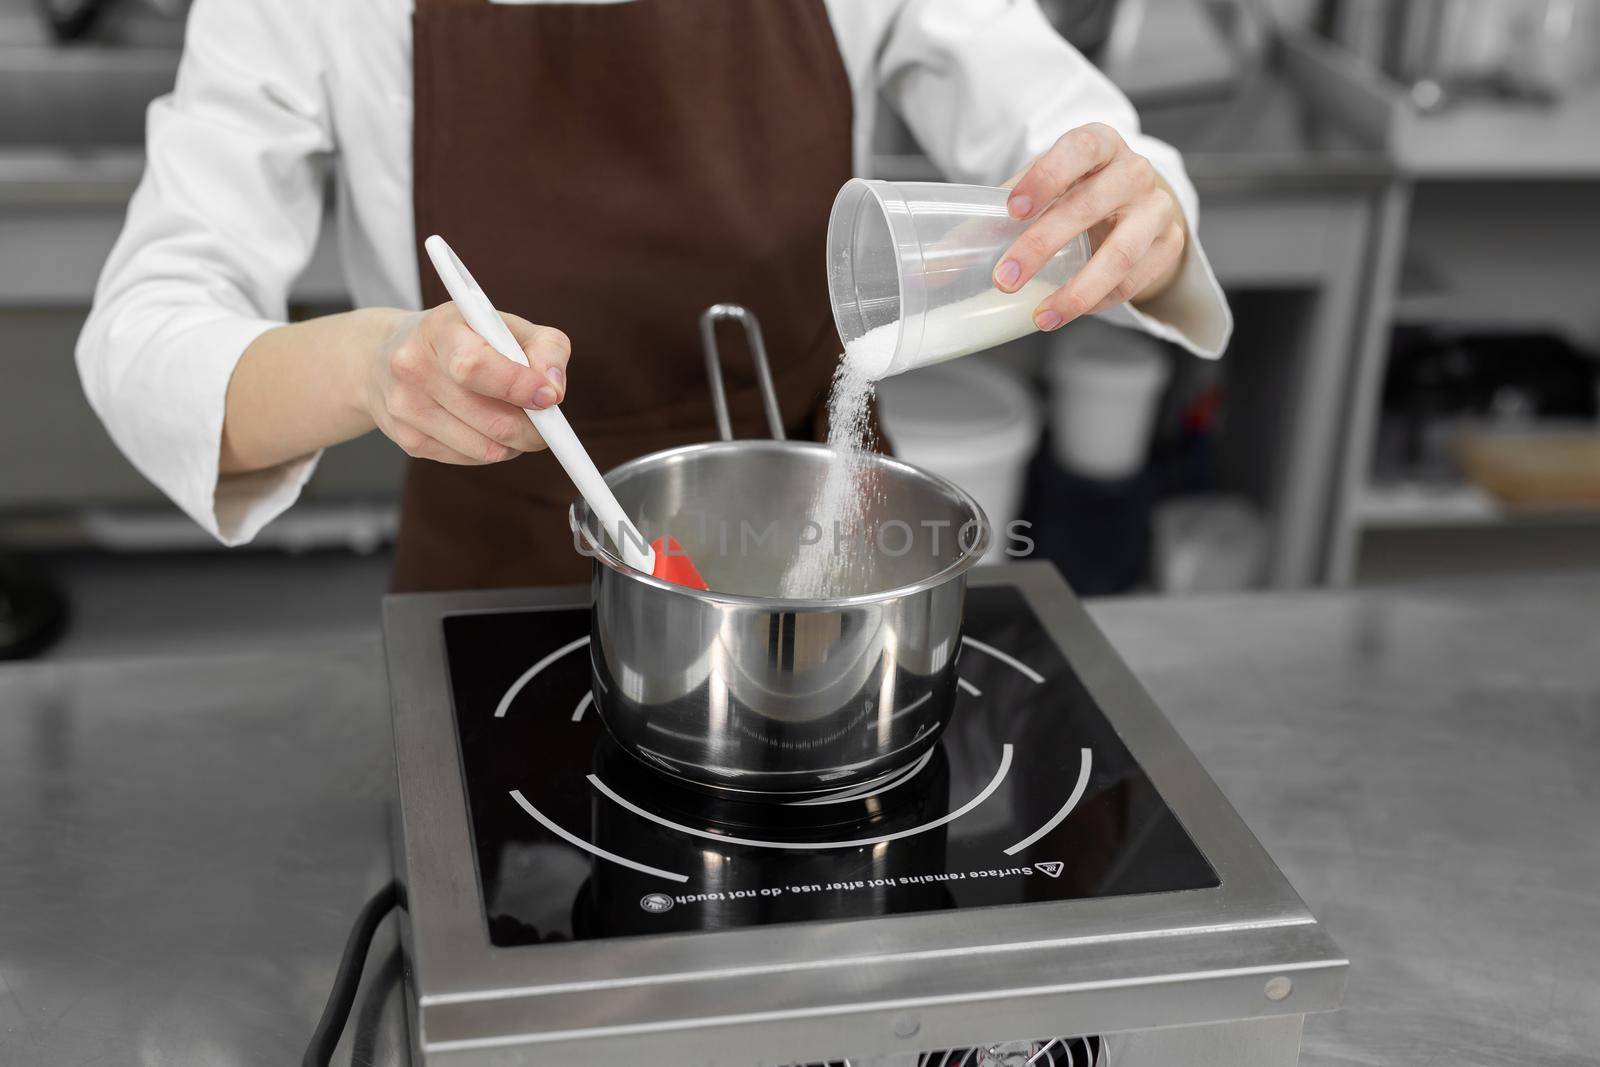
(870, 354)
(978, 322)
(838, 559)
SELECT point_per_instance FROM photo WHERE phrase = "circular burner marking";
(1072, 802)
(528, 675)
(573, 839)
(813, 846)
(1006, 658)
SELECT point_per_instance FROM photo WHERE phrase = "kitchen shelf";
(1400, 504)
(1501, 140)
(1466, 139)
(1496, 255)
(1476, 311)
(1489, 225)
(1408, 505)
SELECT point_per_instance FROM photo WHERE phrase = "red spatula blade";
(674, 564)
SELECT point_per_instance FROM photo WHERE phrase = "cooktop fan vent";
(1054, 1052)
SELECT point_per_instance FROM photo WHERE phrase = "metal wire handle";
(758, 356)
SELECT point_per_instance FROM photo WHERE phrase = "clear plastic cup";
(911, 272)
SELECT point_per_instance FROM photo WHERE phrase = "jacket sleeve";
(224, 219)
(987, 85)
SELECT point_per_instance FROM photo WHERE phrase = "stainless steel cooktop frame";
(809, 991)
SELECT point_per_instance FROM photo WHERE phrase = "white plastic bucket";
(972, 422)
(1105, 389)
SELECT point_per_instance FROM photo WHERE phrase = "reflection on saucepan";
(740, 690)
(844, 696)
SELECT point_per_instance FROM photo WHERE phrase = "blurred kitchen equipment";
(911, 271)
(975, 424)
(564, 905)
(1442, 383)
(71, 19)
(1538, 468)
(1176, 50)
(1096, 532)
(33, 612)
(104, 21)
(1207, 543)
(1105, 391)
(663, 559)
(1085, 24)
(1165, 48)
(742, 692)
(1538, 50)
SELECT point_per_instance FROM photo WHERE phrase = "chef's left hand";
(1091, 181)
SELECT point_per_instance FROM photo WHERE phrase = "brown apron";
(613, 169)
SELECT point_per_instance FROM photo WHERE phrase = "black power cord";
(345, 980)
(366, 1023)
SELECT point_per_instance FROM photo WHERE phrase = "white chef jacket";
(270, 92)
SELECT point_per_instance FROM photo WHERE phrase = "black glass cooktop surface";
(1030, 796)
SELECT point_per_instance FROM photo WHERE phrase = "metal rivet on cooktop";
(907, 1026)
(1279, 987)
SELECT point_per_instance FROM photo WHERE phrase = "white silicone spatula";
(665, 559)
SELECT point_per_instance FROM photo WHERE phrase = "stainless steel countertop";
(184, 841)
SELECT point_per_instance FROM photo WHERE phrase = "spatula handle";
(550, 422)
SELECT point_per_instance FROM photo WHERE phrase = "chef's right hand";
(440, 392)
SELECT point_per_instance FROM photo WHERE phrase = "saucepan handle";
(758, 355)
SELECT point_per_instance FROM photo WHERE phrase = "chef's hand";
(1091, 181)
(440, 392)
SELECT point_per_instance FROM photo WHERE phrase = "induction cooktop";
(1031, 796)
(1058, 864)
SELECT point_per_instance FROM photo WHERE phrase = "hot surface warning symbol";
(1050, 867)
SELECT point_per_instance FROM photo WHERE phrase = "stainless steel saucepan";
(745, 692)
